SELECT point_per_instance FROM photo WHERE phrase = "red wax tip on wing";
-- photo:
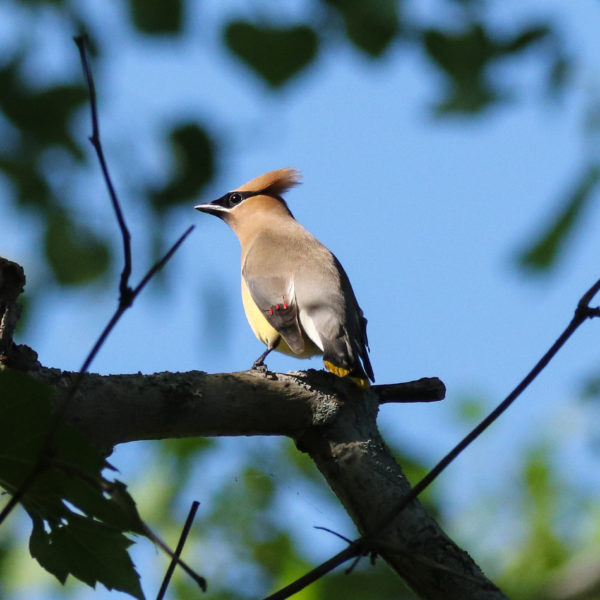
(284, 306)
(277, 307)
(270, 311)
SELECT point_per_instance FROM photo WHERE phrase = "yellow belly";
(266, 333)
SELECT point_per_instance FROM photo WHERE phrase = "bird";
(296, 295)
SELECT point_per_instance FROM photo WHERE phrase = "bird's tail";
(358, 376)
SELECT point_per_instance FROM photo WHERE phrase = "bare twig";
(126, 295)
(339, 535)
(180, 544)
(354, 549)
(126, 299)
(62, 407)
(361, 546)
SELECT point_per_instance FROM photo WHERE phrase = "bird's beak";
(212, 208)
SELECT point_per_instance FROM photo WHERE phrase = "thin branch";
(126, 299)
(339, 535)
(162, 262)
(354, 549)
(126, 296)
(62, 407)
(177, 554)
(357, 547)
(135, 292)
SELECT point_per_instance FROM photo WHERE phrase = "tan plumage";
(276, 182)
(296, 295)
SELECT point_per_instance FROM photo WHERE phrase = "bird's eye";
(235, 198)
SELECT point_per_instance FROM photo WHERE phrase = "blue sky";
(426, 217)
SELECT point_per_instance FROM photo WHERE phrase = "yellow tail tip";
(341, 372)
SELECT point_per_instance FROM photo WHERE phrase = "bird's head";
(258, 197)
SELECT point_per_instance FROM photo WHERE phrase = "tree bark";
(332, 420)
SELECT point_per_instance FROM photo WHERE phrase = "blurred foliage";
(370, 26)
(547, 247)
(193, 152)
(470, 408)
(466, 59)
(37, 119)
(244, 516)
(542, 550)
(157, 18)
(275, 53)
(77, 255)
(249, 546)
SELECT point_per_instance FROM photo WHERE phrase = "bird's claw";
(259, 366)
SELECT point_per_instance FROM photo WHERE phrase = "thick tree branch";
(12, 283)
(331, 419)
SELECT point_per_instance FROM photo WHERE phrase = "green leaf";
(195, 166)
(41, 548)
(590, 388)
(463, 58)
(525, 38)
(41, 116)
(24, 419)
(559, 74)
(370, 26)
(75, 253)
(31, 186)
(466, 57)
(470, 407)
(275, 53)
(89, 550)
(157, 17)
(544, 252)
(89, 543)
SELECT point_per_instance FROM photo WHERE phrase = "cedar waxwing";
(296, 295)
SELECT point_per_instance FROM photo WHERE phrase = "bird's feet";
(259, 365)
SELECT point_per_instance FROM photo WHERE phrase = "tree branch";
(12, 283)
(331, 419)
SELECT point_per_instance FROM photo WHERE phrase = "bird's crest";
(275, 183)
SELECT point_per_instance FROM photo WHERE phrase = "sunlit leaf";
(544, 252)
(275, 53)
(541, 500)
(470, 408)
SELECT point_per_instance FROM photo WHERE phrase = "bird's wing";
(334, 314)
(273, 293)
